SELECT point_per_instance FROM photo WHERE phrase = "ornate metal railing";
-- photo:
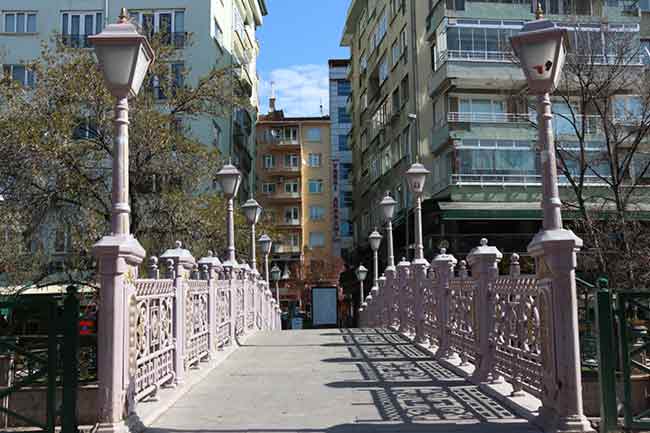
(470, 315)
(178, 321)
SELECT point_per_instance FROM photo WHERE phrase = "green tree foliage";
(56, 142)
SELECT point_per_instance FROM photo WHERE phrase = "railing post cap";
(484, 251)
(444, 259)
(180, 255)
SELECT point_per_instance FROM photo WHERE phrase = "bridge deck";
(335, 381)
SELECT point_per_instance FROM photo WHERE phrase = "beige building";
(295, 188)
(390, 109)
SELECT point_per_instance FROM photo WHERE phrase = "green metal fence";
(624, 346)
(51, 361)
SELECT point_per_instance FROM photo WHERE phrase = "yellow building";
(294, 185)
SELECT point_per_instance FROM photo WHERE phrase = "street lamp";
(229, 178)
(275, 276)
(416, 176)
(124, 57)
(375, 242)
(541, 48)
(265, 245)
(361, 273)
(387, 206)
(252, 210)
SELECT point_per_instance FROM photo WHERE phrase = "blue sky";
(296, 39)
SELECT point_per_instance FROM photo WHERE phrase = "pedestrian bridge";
(336, 380)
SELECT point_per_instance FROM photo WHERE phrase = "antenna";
(321, 107)
(272, 89)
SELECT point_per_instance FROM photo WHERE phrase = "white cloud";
(299, 90)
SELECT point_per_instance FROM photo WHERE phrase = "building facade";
(206, 34)
(339, 91)
(295, 187)
(435, 81)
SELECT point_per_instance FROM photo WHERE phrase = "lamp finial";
(539, 13)
(124, 16)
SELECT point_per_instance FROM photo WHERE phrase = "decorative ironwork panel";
(462, 321)
(223, 313)
(521, 309)
(409, 304)
(154, 337)
(197, 344)
(432, 329)
(239, 302)
(250, 314)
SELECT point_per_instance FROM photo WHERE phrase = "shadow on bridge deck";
(347, 381)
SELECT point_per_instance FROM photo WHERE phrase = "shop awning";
(459, 210)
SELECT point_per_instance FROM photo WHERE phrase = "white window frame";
(310, 138)
(291, 187)
(82, 22)
(318, 182)
(316, 213)
(15, 29)
(268, 161)
(156, 18)
(315, 159)
(292, 215)
(25, 82)
(268, 188)
(292, 160)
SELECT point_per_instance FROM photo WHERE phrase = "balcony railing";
(75, 41)
(562, 124)
(283, 249)
(283, 169)
(475, 56)
(513, 179)
(284, 196)
(473, 117)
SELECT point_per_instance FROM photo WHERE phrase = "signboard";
(324, 306)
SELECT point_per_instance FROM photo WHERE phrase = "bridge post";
(381, 302)
(403, 280)
(419, 274)
(484, 262)
(183, 263)
(389, 295)
(443, 265)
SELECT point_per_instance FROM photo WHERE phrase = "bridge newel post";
(443, 265)
(209, 266)
(419, 271)
(484, 262)
(402, 282)
(381, 302)
(389, 295)
(182, 264)
(232, 291)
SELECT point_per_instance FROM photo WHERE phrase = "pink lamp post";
(541, 47)
(124, 57)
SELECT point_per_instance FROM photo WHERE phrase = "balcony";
(289, 223)
(283, 170)
(285, 249)
(483, 180)
(473, 117)
(284, 196)
(563, 124)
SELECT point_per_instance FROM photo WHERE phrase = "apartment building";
(222, 34)
(434, 80)
(295, 187)
(339, 91)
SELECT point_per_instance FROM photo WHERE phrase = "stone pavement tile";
(335, 381)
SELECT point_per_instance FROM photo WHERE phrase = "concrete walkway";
(335, 381)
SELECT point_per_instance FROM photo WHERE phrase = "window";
(403, 37)
(395, 52)
(293, 239)
(85, 129)
(628, 108)
(343, 87)
(404, 89)
(268, 188)
(269, 161)
(456, 5)
(169, 24)
(383, 70)
(344, 116)
(290, 135)
(313, 134)
(20, 22)
(316, 213)
(379, 33)
(396, 104)
(343, 143)
(345, 171)
(345, 199)
(363, 62)
(291, 215)
(405, 142)
(480, 109)
(364, 100)
(20, 73)
(291, 187)
(316, 239)
(291, 161)
(314, 160)
(396, 150)
(77, 26)
(315, 186)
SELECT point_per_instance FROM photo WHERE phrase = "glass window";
(269, 161)
(316, 213)
(343, 143)
(31, 23)
(291, 214)
(453, 39)
(404, 88)
(20, 23)
(395, 52)
(292, 160)
(313, 134)
(492, 39)
(316, 239)
(99, 22)
(343, 87)
(10, 23)
(291, 187)
(314, 159)
(478, 35)
(383, 70)
(18, 74)
(315, 186)
(344, 116)
(268, 188)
